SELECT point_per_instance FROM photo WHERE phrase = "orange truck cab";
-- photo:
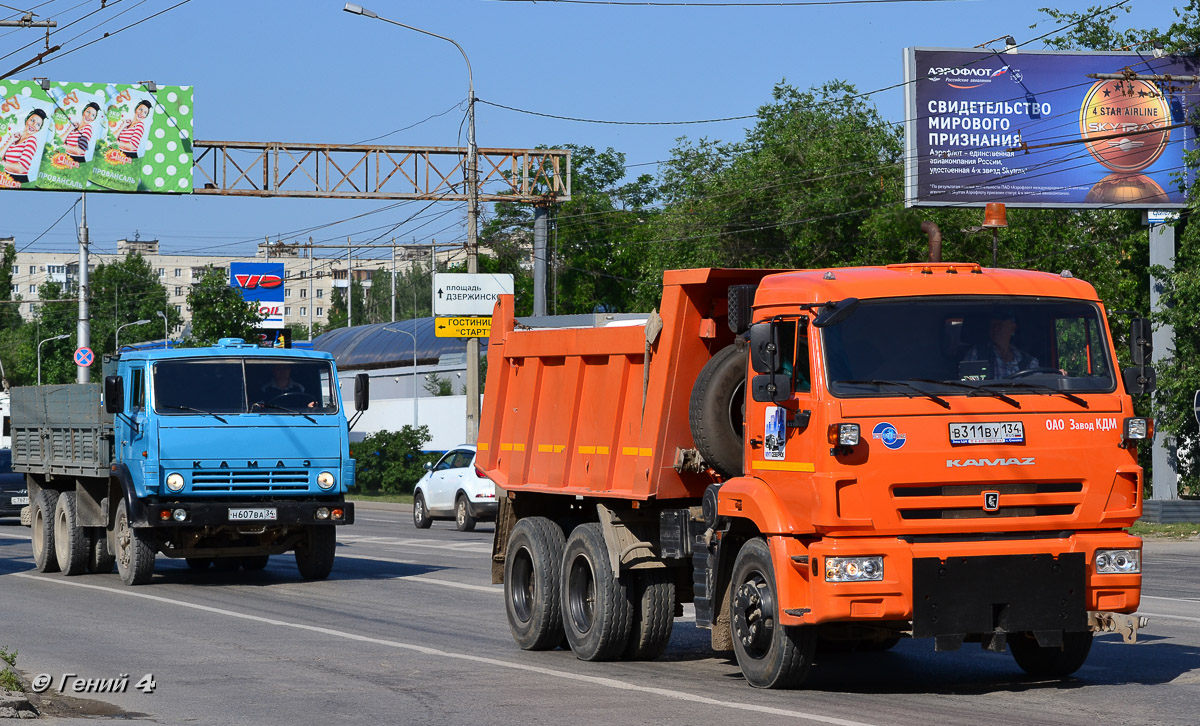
(839, 458)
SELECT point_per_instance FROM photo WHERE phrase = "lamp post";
(414, 371)
(472, 215)
(117, 336)
(162, 315)
(47, 340)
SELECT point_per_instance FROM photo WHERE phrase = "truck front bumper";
(953, 587)
(156, 512)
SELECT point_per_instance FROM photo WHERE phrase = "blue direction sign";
(84, 357)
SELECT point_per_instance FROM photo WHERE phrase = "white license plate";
(20, 500)
(259, 514)
(988, 432)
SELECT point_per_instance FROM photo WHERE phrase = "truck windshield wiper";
(196, 410)
(286, 410)
(916, 390)
(972, 387)
(1040, 388)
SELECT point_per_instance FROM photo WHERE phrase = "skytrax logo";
(953, 463)
(965, 78)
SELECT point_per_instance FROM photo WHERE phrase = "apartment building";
(308, 286)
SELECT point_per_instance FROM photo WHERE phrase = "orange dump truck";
(845, 457)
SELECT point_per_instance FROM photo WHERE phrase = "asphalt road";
(408, 630)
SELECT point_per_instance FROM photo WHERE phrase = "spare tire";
(717, 410)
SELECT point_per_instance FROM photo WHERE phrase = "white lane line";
(25, 537)
(1169, 617)
(495, 662)
(1192, 600)
(419, 578)
(368, 519)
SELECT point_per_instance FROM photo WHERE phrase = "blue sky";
(305, 71)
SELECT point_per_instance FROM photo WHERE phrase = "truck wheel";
(531, 591)
(717, 410)
(254, 563)
(42, 526)
(421, 518)
(770, 655)
(100, 558)
(462, 515)
(653, 597)
(70, 540)
(135, 553)
(596, 608)
(1054, 661)
(314, 556)
(199, 563)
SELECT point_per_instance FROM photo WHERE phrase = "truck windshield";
(234, 385)
(969, 346)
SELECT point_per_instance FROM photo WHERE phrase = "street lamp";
(47, 340)
(160, 314)
(117, 336)
(414, 370)
(472, 215)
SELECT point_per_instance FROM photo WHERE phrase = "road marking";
(418, 578)
(385, 521)
(403, 542)
(494, 662)
(25, 537)
(1169, 617)
(1192, 600)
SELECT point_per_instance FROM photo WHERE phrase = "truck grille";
(965, 501)
(246, 480)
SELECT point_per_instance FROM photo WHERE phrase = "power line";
(614, 123)
(728, 4)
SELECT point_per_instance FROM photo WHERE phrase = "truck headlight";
(1138, 429)
(1118, 562)
(853, 569)
(843, 434)
(175, 482)
(325, 480)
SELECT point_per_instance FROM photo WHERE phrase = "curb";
(380, 506)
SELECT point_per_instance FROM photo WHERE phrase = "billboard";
(261, 282)
(1033, 129)
(95, 137)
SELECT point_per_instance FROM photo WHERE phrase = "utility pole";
(349, 284)
(83, 373)
(310, 287)
(394, 286)
(540, 212)
(472, 252)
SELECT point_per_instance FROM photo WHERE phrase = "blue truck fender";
(121, 487)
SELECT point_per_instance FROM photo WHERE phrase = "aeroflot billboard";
(1032, 129)
(261, 282)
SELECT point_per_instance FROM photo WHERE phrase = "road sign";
(467, 294)
(463, 327)
(84, 357)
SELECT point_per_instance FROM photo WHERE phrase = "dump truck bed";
(601, 411)
(61, 430)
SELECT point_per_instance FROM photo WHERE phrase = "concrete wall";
(446, 417)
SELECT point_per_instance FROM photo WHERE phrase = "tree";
(121, 292)
(435, 385)
(391, 461)
(10, 314)
(337, 306)
(218, 310)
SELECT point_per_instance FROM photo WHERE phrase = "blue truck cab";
(227, 454)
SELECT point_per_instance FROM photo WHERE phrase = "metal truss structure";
(351, 171)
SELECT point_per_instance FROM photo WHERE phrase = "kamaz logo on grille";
(952, 463)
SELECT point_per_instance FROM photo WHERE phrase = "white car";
(454, 488)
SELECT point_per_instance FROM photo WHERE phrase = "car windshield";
(242, 385)
(968, 346)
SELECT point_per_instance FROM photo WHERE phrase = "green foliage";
(123, 292)
(391, 462)
(218, 310)
(337, 307)
(10, 315)
(9, 680)
(435, 385)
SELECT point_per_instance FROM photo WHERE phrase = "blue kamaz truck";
(223, 455)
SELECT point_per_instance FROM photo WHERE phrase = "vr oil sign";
(261, 282)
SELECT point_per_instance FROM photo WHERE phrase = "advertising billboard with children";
(95, 137)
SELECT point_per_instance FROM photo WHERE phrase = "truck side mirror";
(114, 394)
(362, 392)
(1139, 381)
(765, 356)
(771, 387)
(1141, 341)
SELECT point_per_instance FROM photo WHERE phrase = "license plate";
(260, 514)
(989, 432)
(20, 500)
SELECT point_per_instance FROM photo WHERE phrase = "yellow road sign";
(463, 327)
